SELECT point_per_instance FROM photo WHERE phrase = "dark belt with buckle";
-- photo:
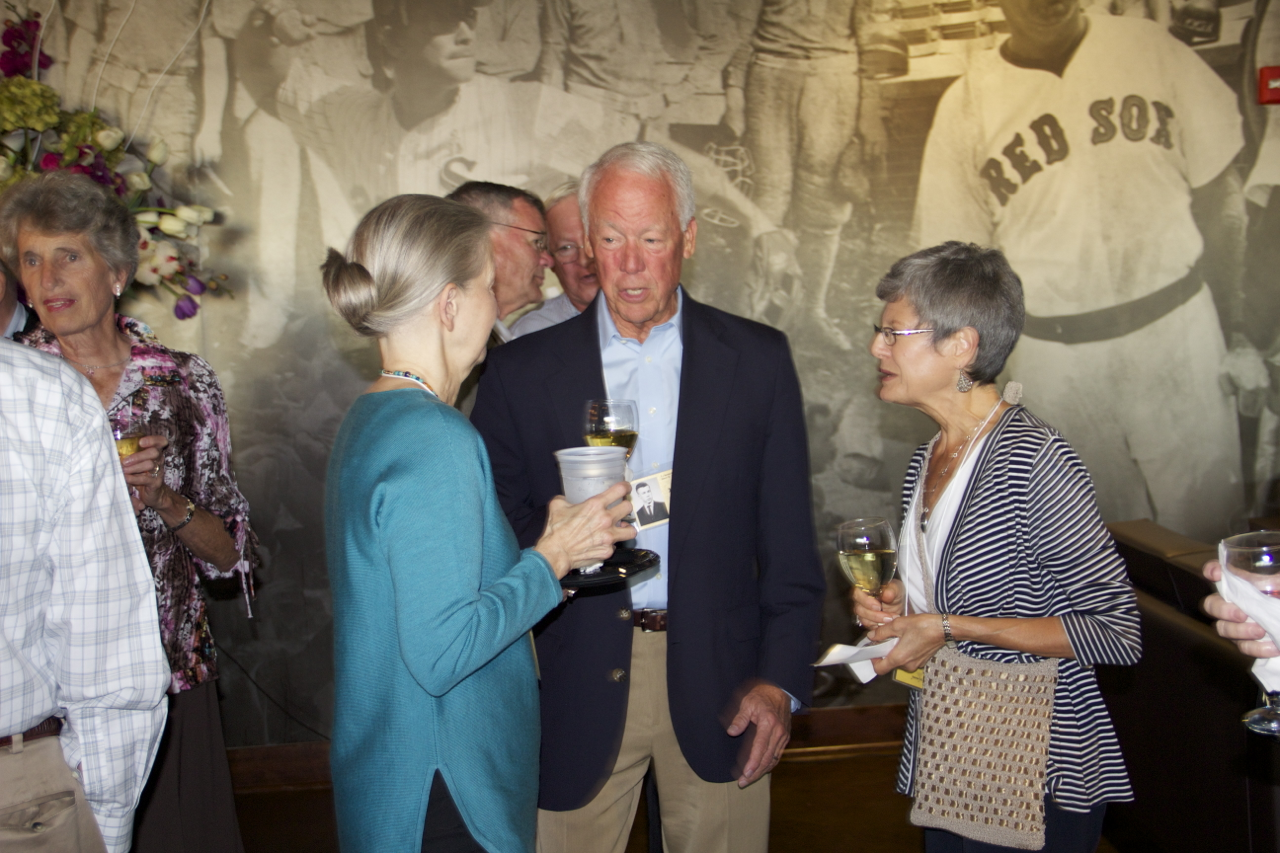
(50, 727)
(649, 620)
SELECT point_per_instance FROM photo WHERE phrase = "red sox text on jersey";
(1134, 120)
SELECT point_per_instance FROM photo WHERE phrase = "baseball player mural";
(1097, 152)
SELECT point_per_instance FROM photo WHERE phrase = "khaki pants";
(697, 816)
(42, 804)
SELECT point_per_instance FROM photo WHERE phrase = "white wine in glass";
(612, 423)
(868, 552)
(127, 435)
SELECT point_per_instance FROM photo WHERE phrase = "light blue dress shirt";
(648, 373)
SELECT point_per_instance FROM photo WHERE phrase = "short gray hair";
(63, 202)
(494, 200)
(560, 193)
(644, 158)
(402, 255)
(957, 285)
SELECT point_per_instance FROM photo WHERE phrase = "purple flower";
(185, 308)
(14, 36)
(49, 162)
(195, 285)
(13, 64)
(20, 37)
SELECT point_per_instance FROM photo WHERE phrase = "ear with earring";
(963, 383)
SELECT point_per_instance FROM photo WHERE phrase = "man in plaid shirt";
(80, 652)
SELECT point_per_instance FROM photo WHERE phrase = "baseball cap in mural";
(439, 16)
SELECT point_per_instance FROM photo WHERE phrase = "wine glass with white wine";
(868, 552)
(612, 423)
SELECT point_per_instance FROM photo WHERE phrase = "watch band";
(191, 511)
(946, 631)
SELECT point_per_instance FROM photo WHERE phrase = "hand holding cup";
(585, 533)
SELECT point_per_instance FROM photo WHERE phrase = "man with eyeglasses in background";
(518, 235)
(574, 270)
(519, 239)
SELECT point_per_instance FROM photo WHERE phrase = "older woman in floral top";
(75, 248)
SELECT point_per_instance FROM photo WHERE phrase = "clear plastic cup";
(587, 471)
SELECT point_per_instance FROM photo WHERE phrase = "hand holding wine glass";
(1255, 558)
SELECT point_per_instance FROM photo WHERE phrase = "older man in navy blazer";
(697, 667)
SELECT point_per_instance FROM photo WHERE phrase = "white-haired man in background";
(575, 271)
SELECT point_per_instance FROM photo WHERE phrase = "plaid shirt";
(78, 612)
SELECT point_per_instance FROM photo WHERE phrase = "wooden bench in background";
(1202, 783)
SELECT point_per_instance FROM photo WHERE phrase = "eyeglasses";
(540, 244)
(567, 252)
(891, 335)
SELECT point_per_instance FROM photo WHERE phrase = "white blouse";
(941, 520)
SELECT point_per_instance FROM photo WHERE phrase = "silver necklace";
(90, 368)
(965, 445)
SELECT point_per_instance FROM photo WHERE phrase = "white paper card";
(858, 658)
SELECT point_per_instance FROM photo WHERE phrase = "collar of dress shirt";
(608, 330)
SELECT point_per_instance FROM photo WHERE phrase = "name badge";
(913, 678)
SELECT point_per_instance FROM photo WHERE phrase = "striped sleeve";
(1070, 541)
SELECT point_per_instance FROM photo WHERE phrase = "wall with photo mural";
(828, 138)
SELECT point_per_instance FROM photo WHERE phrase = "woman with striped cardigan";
(1003, 554)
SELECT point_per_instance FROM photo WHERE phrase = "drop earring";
(963, 383)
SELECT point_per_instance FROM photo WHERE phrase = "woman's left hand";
(919, 636)
(144, 472)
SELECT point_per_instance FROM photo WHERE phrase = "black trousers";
(445, 831)
(1064, 832)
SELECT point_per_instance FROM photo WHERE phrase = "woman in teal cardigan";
(435, 741)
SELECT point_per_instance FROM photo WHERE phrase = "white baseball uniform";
(1084, 181)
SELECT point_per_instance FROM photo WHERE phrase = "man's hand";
(1243, 372)
(735, 110)
(875, 139)
(1233, 623)
(769, 708)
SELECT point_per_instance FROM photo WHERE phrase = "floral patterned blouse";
(177, 394)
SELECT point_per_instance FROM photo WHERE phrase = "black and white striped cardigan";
(1028, 541)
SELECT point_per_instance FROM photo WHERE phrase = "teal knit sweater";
(432, 601)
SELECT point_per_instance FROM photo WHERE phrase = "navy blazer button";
(624, 614)
(618, 675)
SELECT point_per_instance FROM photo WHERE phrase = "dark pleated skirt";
(187, 805)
